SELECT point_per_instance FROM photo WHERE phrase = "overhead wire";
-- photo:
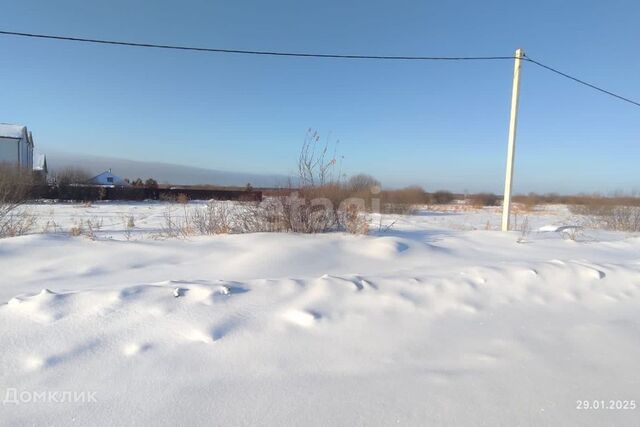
(319, 55)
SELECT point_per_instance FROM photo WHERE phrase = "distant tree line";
(149, 183)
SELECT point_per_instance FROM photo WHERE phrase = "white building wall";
(107, 178)
(30, 151)
(9, 150)
(16, 145)
(24, 154)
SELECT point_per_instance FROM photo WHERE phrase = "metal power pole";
(511, 150)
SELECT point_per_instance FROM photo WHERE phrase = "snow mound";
(559, 228)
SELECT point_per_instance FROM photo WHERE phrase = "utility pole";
(511, 150)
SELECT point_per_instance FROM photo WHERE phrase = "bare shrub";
(71, 175)
(322, 203)
(266, 216)
(151, 183)
(574, 234)
(529, 202)
(578, 204)
(314, 212)
(182, 198)
(93, 226)
(17, 223)
(442, 197)
(483, 199)
(353, 218)
(316, 215)
(383, 228)
(15, 186)
(404, 200)
(77, 229)
(50, 227)
(315, 208)
(525, 230)
(362, 183)
(593, 207)
(88, 228)
(167, 197)
(72, 182)
(399, 209)
(130, 223)
(175, 226)
(284, 214)
(214, 218)
(334, 192)
(620, 218)
(316, 166)
(610, 213)
(599, 206)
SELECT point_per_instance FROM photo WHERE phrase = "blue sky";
(436, 124)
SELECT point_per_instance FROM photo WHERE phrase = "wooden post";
(513, 122)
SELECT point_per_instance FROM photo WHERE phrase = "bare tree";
(151, 183)
(362, 182)
(442, 197)
(71, 175)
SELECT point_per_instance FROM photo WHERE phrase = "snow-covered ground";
(438, 320)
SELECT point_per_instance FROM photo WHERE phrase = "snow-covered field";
(438, 320)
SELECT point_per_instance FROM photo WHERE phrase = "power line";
(260, 52)
(317, 55)
(575, 79)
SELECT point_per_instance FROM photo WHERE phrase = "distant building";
(16, 145)
(40, 168)
(108, 179)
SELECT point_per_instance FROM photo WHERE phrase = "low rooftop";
(8, 130)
